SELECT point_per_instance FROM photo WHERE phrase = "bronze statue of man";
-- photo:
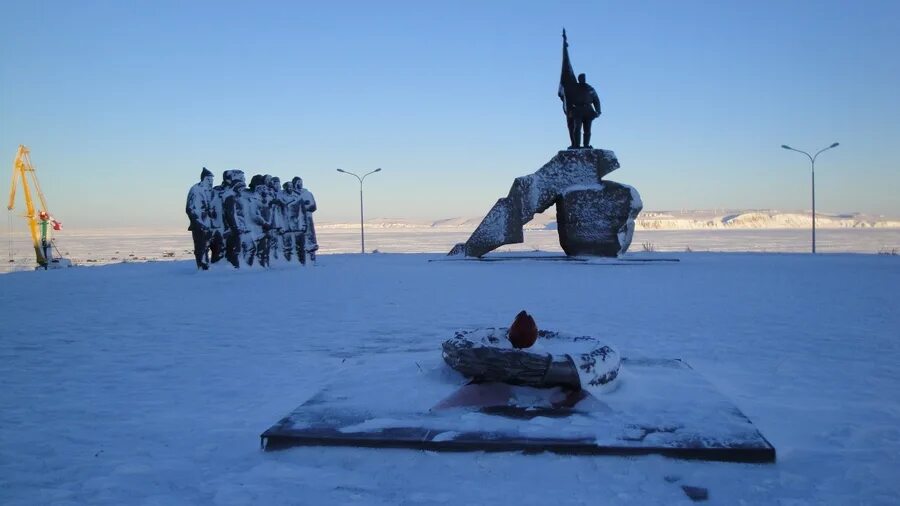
(580, 103)
(584, 107)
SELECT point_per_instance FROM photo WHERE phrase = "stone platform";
(596, 216)
(659, 407)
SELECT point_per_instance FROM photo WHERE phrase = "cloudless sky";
(122, 103)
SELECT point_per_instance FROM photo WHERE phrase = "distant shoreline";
(708, 219)
(648, 220)
(111, 247)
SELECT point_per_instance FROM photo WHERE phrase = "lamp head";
(836, 144)
(785, 146)
(340, 170)
(379, 169)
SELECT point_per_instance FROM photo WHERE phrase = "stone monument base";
(661, 407)
(598, 215)
(596, 220)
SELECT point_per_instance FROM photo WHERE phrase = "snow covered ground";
(149, 383)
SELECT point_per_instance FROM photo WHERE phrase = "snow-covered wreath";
(554, 360)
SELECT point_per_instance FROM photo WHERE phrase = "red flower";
(523, 332)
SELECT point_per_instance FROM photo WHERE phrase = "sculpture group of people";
(264, 221)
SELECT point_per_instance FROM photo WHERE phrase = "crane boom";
(21, 168)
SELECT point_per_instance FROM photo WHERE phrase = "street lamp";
(362, 230)
(812, 161)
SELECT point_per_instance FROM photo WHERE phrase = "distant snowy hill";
(756, 219)
(540, 222)
(661, 220)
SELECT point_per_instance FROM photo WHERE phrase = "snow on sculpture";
(219, 231)
(251, 226)
(200, 213)
(294, 223)
(311, 245)
(261, 218)
(597, 219)
(230, 208)
(238, 212)
(276, 247)
(602, 228)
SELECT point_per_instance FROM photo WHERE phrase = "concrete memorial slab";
(660, 406)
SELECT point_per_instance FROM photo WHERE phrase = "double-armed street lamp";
(362, 230)
(812, 161)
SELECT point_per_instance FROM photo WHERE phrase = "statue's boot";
(576, 136)
(587, 141)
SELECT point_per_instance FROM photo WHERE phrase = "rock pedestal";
(596, 219)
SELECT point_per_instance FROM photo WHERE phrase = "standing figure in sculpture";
(276, 208)
(584, 108)
(294, 222)
(580, 102)
(231, 181)
(199, 211)
(233, 237)
(241, 244)
(309, 207)
(218, 232)
(260, 219)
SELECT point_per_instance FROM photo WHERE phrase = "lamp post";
(812, 162)
(362, 230)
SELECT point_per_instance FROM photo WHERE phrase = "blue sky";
(122, 103)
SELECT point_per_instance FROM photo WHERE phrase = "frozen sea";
(148, 383)
(89, 248)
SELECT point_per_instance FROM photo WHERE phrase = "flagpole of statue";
(566, 83)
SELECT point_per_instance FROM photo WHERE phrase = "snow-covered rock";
(533, 194)
(597, 219)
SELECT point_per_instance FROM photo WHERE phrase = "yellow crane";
(38, 223)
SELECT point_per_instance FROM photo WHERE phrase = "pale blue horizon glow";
(122, 103)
